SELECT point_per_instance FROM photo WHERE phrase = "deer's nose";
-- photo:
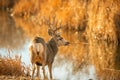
(67, 43)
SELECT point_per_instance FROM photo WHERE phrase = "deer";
(43, 53)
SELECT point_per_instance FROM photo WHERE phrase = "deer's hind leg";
(38, 71)
(33, 70)
(43, 68)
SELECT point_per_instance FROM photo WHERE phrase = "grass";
(13, 66)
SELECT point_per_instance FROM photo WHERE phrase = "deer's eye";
(60, 38)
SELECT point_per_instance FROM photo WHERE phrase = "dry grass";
(13, 66)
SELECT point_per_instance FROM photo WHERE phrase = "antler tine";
(44, 20)
(54, 22)
(60, 26)
(53, 19)
(47, 21)
(60, 23)
(53, 25)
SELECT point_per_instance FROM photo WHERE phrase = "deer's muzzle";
(67, 43)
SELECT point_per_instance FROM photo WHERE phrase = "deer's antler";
(53, 26)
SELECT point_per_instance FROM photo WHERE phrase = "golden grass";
(13, 66)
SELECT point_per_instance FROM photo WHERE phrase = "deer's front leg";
(43, 68)
(50, 70)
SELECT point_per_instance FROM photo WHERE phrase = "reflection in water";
(10, 35)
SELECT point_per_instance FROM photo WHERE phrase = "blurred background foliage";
(91, 26)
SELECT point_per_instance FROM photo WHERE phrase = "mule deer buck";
(42, 53)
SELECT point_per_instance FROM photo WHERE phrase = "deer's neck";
(52, 45)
